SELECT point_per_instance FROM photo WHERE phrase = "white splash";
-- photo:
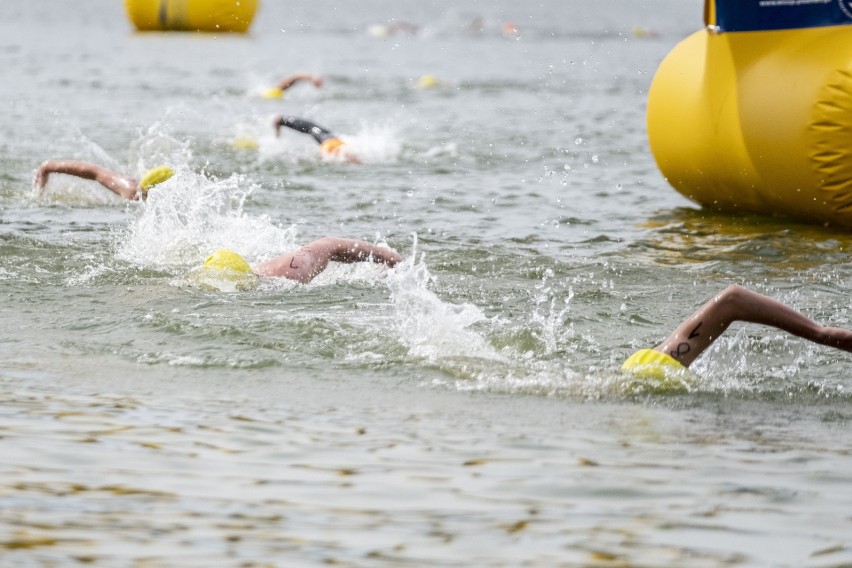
(189, 216)
(549, 327)
(428, 326)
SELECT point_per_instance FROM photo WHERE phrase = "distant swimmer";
(429, 82)
(123, 186)
(383, 31)
(330, 145)
(735, 303)
(304, 264)
(277, 91)
(510, 30)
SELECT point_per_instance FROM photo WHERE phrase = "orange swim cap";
(331, 146)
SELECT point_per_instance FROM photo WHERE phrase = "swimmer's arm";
(350, 157)
(736, 303)
(306, 263)
(302, 265)
(300, 125)
(286, 83)
(70, 167)
(115, 182)
(350, 250)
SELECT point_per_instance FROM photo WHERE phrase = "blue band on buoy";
(764, 15)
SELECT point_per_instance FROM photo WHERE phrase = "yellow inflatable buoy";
(754, 113)
(191, 15)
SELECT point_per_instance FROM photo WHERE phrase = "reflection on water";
(703, 239)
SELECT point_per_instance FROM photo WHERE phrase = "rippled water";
(463, 409)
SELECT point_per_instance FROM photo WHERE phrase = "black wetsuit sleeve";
(319, 133)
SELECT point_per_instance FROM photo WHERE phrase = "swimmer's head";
(154, 177)
(226, 266)
(244, 143)
(331, 146)
(428, 82)
(272, 93)
(227, 261)
(653, 371)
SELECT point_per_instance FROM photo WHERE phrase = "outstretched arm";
(120, 185)
(736, 303)
(307, 262)
(301, 125)
(286, 83)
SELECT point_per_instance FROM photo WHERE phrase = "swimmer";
(382, 31)
(304, 264)
(123, 186)
(277, 91)
(735, 303)
(330, 145)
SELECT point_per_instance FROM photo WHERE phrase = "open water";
(462, 409)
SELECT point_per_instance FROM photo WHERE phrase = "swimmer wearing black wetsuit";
(319, 133)
(330, 145)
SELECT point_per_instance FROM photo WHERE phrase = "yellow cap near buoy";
(648, 370)
(273, 93)
(650, 364)
(155, 176)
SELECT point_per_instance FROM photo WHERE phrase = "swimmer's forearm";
(288, 82)
(350, 250)
(736, 303)
(71, 167)
(298, 124)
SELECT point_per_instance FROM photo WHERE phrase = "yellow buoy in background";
(191, 15)
(752, 115)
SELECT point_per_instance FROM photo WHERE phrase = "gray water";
(462, 409)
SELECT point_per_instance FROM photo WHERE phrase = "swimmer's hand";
(276, 122)
(836, 337)
(41, 175)
(386, 256)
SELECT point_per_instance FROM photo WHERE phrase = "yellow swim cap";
(227, 261)
(656, 372)
(331, 145)
(244, 143)
(272, 93)
(155, 176)
(225, 270)
(427, 82)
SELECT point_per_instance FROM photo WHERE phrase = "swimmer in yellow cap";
(330, 145)
(121, 185)
(711, 320)
(277, 91)
(304, 264)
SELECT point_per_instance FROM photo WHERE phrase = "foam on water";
(431, 328)
(188, 217)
